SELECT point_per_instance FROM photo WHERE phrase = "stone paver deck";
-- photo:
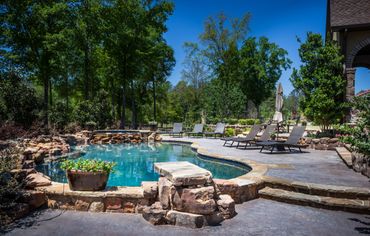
(312, 166)
(257, 217)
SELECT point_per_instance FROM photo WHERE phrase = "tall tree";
(222, 37)
(196, 74)
(135, 39)
(320, 80)
(260, 68)
(31, 32)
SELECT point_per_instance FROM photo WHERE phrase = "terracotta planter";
(87, 181)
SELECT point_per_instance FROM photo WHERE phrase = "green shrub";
(358, 136)
(249, 121)
(10, 185)
(19, 101)
(88, 165)
(212, 120)
(91, 125)
(231, 121)
(59, 115)
(98, 111)
(229, 132)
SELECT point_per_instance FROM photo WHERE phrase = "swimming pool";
(135, 162)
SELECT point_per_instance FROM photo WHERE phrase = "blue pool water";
(135, 162)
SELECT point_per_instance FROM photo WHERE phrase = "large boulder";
(226, 206)
(34, 199)
(155, 214)
(39, 156)
(195, 200)
(150, 189)
(37, 180)
(186, 219)
(96, 207)
(164, 192)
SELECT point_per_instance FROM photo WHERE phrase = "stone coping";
(256, 178)
(57, 188)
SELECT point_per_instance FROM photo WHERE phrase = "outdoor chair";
(219, 130)
(197, 130)
(177, 130)
(250, 137)
(264, 137)
(293, 141)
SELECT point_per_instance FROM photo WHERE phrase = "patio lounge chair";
(177, 130)
(219, 130)
(197, 130)
(264, 137)
(250, 137)
(293, 139)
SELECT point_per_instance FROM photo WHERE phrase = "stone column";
(350, 74)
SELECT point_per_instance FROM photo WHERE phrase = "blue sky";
(279, 20)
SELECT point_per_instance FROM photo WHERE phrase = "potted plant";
(273, 136)
(87, 175)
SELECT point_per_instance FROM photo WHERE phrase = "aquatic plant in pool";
(135, 162)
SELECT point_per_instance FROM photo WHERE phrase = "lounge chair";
(293, 139)
(266, 135)
(219, 130)
(250, 137)
(197, 130)
(177, 130)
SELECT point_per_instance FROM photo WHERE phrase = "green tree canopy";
(320, 81)
(260, 68)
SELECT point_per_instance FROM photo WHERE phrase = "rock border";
(243, 188)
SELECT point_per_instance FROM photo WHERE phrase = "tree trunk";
(87, 54)
(258, 112)
(86, 72)
(66, 90)
(50, 94)
(133, 107)
(46, 99)
(123, 109)
(112, 97)
(154, 102)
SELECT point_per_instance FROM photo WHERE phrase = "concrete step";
(332, 203)
(345, 155)
(318, 189)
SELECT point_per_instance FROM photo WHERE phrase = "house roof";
(349, 13)
(363, 93)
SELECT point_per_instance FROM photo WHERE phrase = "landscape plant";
(320, 81)
(358, 135)
(88, 165)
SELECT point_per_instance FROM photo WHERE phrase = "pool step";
(318, 189)
(332, 203)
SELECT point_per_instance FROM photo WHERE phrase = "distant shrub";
(212, 120)
(10, 185)
(249, 121)
(98, 111)
(59, 115)
(19, 101)
(229, 132)
(231, 121)
(72, 127)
